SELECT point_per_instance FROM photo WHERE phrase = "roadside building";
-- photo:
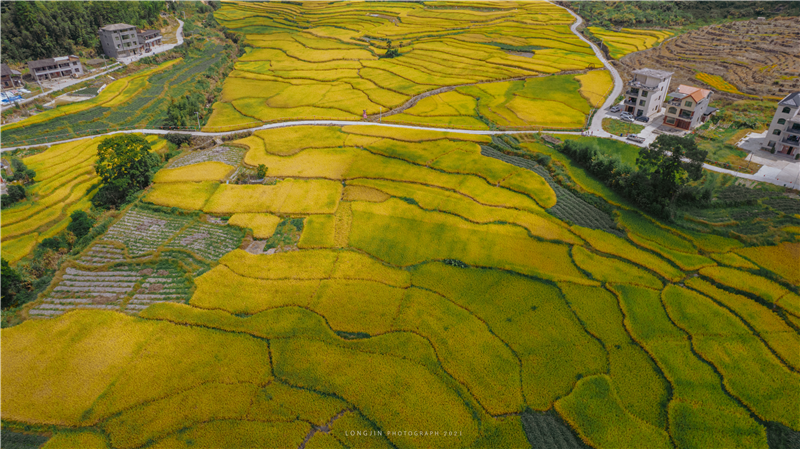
(148, 39)
(784, 131)
(53, 68)
(9, 78)
(121, 40)
(646, 92)
(688, 107)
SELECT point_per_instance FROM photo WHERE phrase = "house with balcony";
(53, 68)
(784, 131)
(688, 107)
(646, 92)
(149, 39)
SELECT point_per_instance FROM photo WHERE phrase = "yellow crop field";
(318, 232)
(262, 225)
(185, 195)
(466, 286)
(203, 171)
(595, 86)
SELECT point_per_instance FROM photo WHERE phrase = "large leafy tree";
(11, 284)
(125, 166)
(671, 162)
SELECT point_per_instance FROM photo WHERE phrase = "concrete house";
(121, 40)
(647, 91)
(148, 39)
(688, 107)
(9, 78)
(784, 131)
(52, 68)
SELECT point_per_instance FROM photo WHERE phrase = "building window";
(786, 110)
(641, 102)
(644, 94)
(671, 120)
(639, 112)
(688, 104)
(673, 110)
(771, 144)
(777, 132)
(781, 121)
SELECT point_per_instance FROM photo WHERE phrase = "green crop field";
(326, 286)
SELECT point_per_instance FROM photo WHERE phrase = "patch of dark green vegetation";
(352, 335)
(546, 430)
(286, 234)
(455, 263)
(16, 440)
(520, 48)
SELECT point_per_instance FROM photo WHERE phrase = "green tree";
(15, 193)
(11, 284)
(125, 166)
(671, 162)
(261, 171)
(80, 223)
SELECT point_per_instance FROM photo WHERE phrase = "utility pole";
(198, 120)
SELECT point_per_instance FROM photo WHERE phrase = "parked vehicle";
(635, 138)
(626, 116)
(643, 118)
(614, 109)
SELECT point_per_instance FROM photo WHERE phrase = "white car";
(627, 116)
(614, 109)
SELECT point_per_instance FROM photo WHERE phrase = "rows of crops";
(307, 61)
(387, 256)
(137, 101)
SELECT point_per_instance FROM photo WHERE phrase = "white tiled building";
(646, 92)
(52, 68)
(784, 131)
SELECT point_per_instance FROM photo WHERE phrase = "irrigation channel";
(596, 127)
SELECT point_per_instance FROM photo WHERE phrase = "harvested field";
(758, 58)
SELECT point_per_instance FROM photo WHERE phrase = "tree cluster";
(16, 192)
(678, 13)
(45, 29)
(125, 166)
(390, 52)
(665, 169)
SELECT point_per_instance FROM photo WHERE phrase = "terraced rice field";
(65, 183)
(629, 40)
(355, 291)
(324, 61)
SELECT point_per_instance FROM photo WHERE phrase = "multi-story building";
(646, 92)
(121, 40)
(688, 107)
(52, 68)
(148, 39)
(9, 77)
(784, 131)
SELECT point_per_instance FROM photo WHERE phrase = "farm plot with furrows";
(143, 231)
(128, 288)
(320, 61)
(209, 241)
(752, 58)
(229, 155)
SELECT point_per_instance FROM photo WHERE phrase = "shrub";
(178, 139)
(81, 223)
(261, 172)
(15, 194)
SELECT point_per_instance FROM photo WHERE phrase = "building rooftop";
(696, 93)
(791, 100)
(5, 70)
(148, 33)
(50, 61)
(116, 27)
(660, 74)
